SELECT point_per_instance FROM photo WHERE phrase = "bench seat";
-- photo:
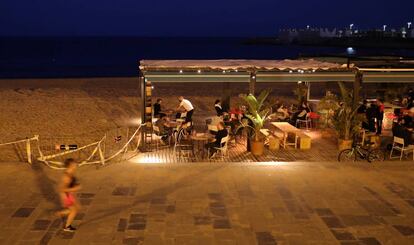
(304, 141)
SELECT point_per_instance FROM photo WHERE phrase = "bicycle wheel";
(376, 155)
(347, 155)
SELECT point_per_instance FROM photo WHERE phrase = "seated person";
(398, 130)
(302, 112)
(219, 109)
(283, 112)
(157, 109)
(221, 133)
(165, 130)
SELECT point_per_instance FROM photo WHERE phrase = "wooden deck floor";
(324, 148)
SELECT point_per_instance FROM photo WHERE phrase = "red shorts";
(69, 200)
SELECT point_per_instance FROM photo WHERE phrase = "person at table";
(379, 115)
(157, 109)
(398, 130)
(165, 131)
(362, 109)
(188, 108)
(221, 133)
(283, 112)
(302, 112)
(219, 109)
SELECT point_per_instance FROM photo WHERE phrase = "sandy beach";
(80, 110)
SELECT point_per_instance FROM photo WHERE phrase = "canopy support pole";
(308, 91)
(252, 82)
(357, 87)
(143, 119)
(225, 98)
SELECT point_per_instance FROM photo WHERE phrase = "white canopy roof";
(305, 64)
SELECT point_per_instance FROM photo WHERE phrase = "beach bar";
(260, 71)
(236, 71)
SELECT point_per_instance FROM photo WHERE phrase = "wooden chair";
(272, 140)
(398, 144)
(182, 145)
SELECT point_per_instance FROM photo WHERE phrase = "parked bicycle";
(361, 152)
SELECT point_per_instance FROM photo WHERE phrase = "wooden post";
(252, 82)
(308, 85)
(357, 87)
(225, 98)
(29, 151)
(142, 84)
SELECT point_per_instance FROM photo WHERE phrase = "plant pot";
(344, 144)
(257, 147)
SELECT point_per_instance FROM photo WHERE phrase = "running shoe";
(69, 228)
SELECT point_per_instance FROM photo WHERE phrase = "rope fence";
(98, 152)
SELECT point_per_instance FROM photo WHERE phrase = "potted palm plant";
(326, 108)
(257, 114)
(346, 120)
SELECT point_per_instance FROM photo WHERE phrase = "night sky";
(192, 17)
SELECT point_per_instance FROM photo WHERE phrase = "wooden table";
(287, 128)
(173, 124)
(199, 140)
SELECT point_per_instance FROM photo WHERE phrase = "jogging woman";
(67, 189)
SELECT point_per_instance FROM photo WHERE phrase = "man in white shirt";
(188, 107)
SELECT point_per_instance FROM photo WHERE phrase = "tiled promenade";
(215, 203)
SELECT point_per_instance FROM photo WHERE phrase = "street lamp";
(384, 27)
(351, 26)
(409, 25)
(350, 51)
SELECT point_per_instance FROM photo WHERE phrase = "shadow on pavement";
(46, 185)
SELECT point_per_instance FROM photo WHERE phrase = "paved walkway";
(215, 203)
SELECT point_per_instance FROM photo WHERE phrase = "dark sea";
(30, 57)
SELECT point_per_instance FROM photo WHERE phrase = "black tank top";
(73, 181)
